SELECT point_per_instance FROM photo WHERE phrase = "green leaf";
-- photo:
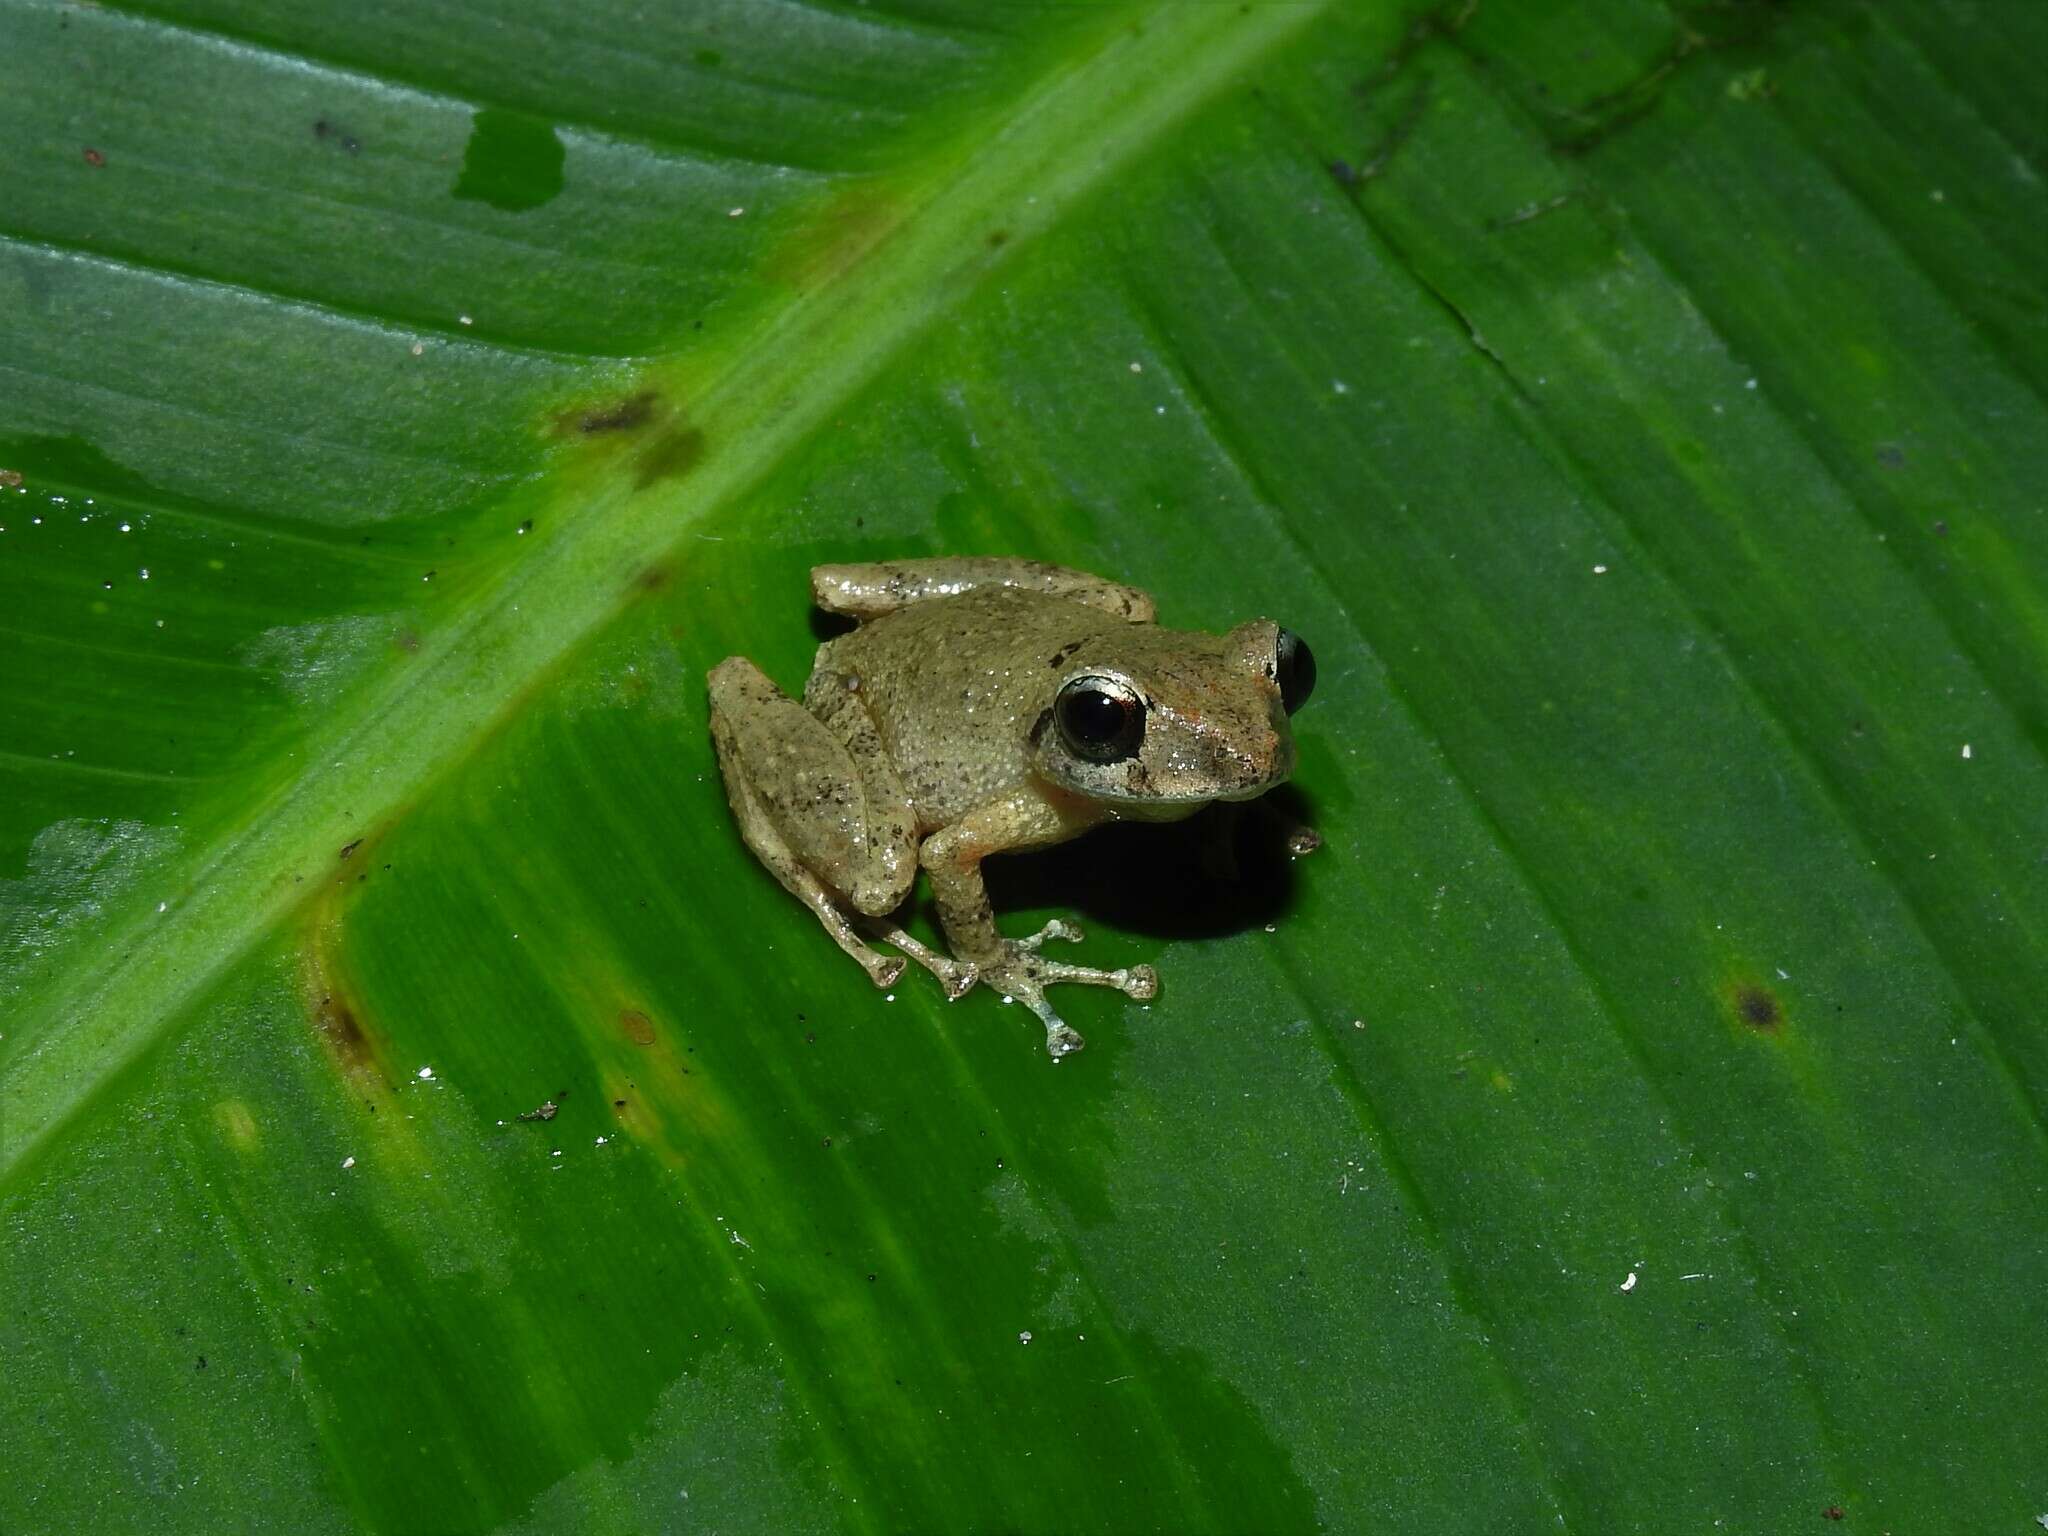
(418, 1112)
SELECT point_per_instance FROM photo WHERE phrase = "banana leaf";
(420, 1113)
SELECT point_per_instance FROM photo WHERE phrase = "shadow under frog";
(985, 706)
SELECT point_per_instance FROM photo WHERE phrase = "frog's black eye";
(1099, 719)
(1294, 669)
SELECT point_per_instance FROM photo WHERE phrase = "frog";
(982, 706)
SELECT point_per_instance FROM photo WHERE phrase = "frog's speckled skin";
(927, 737)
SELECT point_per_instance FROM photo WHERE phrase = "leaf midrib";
(1020, 173)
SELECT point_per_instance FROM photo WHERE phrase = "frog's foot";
(1023, 974)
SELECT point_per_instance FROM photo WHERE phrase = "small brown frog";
(982, 706)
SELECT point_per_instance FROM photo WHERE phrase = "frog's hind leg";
(809, 809)
(871, 590)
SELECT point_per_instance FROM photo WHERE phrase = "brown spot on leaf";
(618, 415)
(837, 236)
(998, 238)
(546, 1111)
(670, 456)
(340, 1028)
(10, 478)
(348, 849)
(337, 1018)
(652, 579)
(637, 1027)
(94, 158)
(1757, 1007)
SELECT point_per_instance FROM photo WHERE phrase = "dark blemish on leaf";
(546, 1111)
(428, 577)
(94, 158)
(10, 478)
(1757, 1008)
(1941, 528)
(513, 161)
(1891, 455)
(338, 1023)
(621, 416)
(672, 455)
(653, 579)
(1833, 1512)
(406, 641)
(1344, 172)
(526, 525)
(637, 1026)
(618, 1103)
(998, 238)
(350, 848)
(325, 131)
(199, 1364)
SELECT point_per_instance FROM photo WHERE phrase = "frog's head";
(1159, 718)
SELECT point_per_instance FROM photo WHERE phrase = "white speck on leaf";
(426, 1074)
(1024, 1337)
(1630, 1283)
(348, 1162)
(1966, 751)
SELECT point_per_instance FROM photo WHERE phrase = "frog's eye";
(1100, 719)
(1294, 669)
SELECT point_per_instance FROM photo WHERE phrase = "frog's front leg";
(1023, 818)
(818, 802)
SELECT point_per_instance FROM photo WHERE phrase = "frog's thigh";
(869, 591)
(845, 822)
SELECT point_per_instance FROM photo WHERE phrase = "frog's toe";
(1061, 1038)
(1141, 982)
(1058, 928)
(883, 970)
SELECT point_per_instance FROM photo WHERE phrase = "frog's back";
(954, 686)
